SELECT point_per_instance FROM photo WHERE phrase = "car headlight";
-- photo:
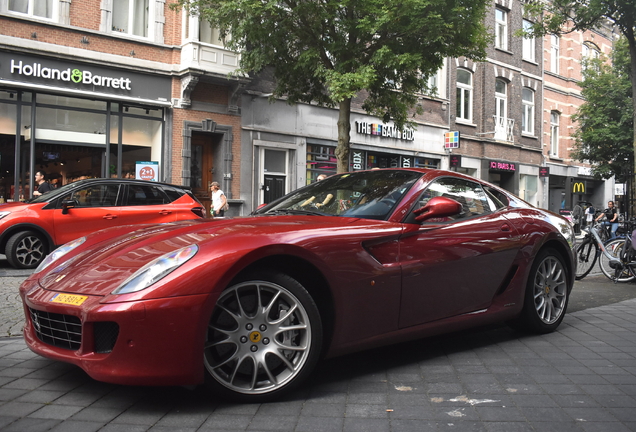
(156, 270)
(59, 253)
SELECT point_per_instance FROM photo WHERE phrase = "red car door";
(455, 266)
(93, 208)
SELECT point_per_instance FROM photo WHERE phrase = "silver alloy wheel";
(30, 251)
(259, 338)
(550, 290)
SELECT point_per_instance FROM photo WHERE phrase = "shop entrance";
(202, 166)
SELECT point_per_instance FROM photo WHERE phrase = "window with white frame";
(501, 99)
(209, 34)
(464, 109)
(554, 133)
(528, 43)
(501, 29)
(35, 8)
(554, 53)
(589, 52)
(527, 116)
(132, 17)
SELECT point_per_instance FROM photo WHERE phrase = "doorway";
(274, 171)
(202, 166)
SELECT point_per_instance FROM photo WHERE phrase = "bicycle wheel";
(586, 254)
(615, 248)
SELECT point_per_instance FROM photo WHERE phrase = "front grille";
(62, 331)
(105, 336)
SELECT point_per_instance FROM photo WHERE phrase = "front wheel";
(264, 338)
(615, 248)
(546, 296)
(586, 254)
(26, 249)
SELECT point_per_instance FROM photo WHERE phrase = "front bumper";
(148, 342)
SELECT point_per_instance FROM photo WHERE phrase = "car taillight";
(199, 211)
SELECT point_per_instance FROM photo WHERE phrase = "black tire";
(586, 256)
(26, 250)
(252, 322)
(547, 294)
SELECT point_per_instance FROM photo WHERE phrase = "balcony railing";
(209, 58)
(504, 128)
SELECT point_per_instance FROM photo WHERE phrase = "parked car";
(249, 305)
(30, 230)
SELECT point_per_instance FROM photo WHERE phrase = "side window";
(470, 195)
(496, 199)
(145, 195)
(104, 195)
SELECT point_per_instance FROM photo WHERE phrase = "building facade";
(99, 88)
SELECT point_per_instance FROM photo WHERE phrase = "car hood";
(111, 256)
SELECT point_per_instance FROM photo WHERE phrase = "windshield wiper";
(298, 212)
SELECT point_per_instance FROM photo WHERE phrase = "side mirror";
(438, 207)
(68, 204)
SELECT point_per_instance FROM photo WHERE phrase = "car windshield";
(364, 194)
(53, 194)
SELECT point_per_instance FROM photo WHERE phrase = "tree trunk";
(344, 136)
(632, 76)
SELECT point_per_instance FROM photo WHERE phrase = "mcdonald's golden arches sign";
(578, 187)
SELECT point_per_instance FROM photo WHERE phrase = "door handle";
(165, 212)
(505, 227)
(110, 216)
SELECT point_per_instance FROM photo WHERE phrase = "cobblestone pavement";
(11, 311)
(581, 378)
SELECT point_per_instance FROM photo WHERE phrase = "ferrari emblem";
(255, 337)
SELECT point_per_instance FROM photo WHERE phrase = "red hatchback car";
(249, 305)
(30, 230)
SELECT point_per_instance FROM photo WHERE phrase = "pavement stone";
(581, 379)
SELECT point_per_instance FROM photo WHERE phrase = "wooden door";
(201, 168)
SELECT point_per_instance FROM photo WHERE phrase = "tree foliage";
(328, 51)
(605, 122)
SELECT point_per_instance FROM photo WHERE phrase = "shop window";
(528, 43)
(321, 159)
(501, 29)
(528, 188)
(554, 53)
(527, 116)
(464, 110)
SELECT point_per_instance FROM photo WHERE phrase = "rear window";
(173, 193)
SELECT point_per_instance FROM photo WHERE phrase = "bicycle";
(623, 250)
(590, 248)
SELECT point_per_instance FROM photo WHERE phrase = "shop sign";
(407, 161)
(455, 161)
(502, 166)
(385, 131)
(586, 171)
(358, 160)
(147, 171)
(451, 140)
(578, 187)
(56, 73)
(544, 172)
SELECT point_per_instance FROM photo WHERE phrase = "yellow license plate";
(70, 299)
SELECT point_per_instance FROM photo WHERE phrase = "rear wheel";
(546, 297)
(264, 338)
(615, 248)
(26, 249)
(586, 254)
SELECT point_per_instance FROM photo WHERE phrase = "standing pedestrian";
(42, 185)
(219, 201)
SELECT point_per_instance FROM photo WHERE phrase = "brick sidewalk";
(581, 378)
(11, 311)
